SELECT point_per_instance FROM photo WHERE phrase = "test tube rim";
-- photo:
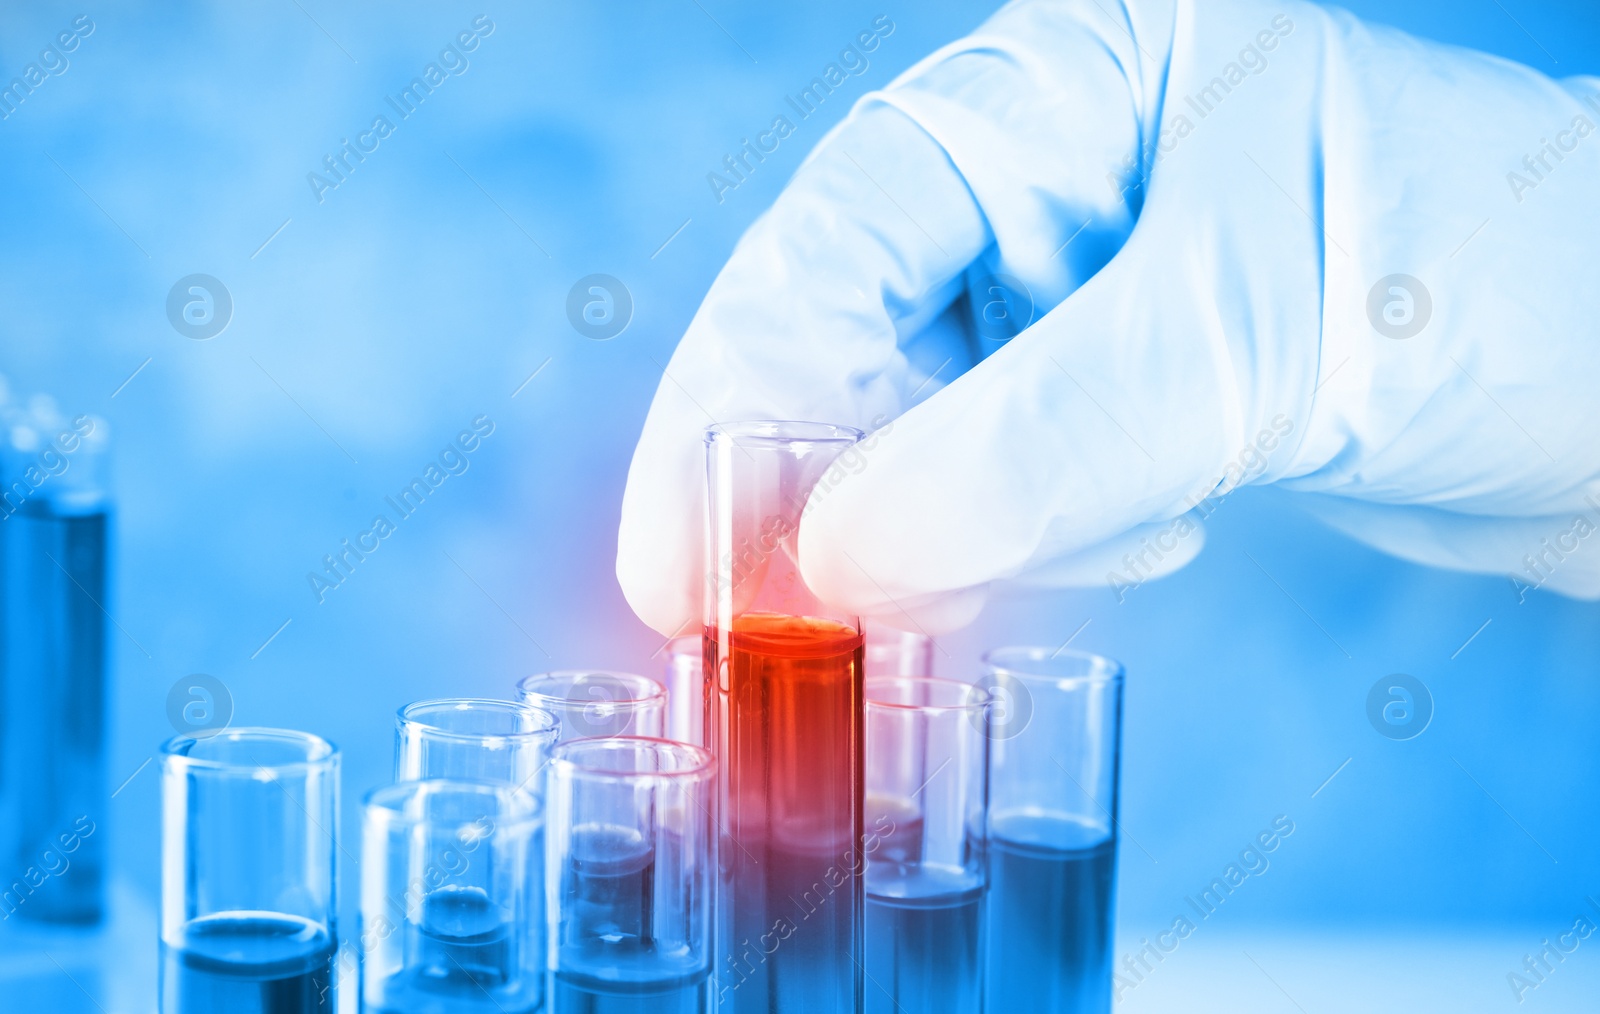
(551, 723)
(705, 761)
(756, 432)
(981, 697)
(1103, 669)
(326, 752)
(658, 689)
(375, 805)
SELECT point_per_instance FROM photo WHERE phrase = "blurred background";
(374, 320)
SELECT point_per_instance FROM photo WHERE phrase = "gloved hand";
(1249, 243)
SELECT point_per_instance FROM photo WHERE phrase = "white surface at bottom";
(1417, 971)
(112, 970)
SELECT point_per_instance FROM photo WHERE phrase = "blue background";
(431, 284)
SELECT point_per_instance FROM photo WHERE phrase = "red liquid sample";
(788, 729)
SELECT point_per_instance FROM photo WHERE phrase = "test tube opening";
(474, 739)
(598, 702)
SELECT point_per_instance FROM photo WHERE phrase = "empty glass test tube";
(249, 838)
(449, 913)
(1055, 748)
(925, 845)
(598, 702)
(475, 740)
(629, 875)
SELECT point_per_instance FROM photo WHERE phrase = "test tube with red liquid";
(784, 713)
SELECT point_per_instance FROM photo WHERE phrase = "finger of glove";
(802, 323)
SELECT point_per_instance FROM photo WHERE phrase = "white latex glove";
(1200, 199)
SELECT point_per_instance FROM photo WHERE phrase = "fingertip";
(658, 558)
(667, 607)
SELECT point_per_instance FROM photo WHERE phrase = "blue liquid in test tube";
(53, 566)
(1052, 881)
(1055, 752)
(252, 963)
(924, 945)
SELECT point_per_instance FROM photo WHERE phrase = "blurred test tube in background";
(449, 892)
(685, 679)
(249, 835)
(54, 520)
(892, 652)
(629, 875)
(1055, 749)
(598, 702)
(926, 877)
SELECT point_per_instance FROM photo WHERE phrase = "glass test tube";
(479, 740)
(892, 652)
(249, 833)
(685, 679)
(474, 740)
(54, 523)
(784, 675)
(449, 899)
(1054, 755)
(629, 876)
(598, 702)
(925, 845)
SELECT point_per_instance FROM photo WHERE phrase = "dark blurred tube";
(53, 528)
